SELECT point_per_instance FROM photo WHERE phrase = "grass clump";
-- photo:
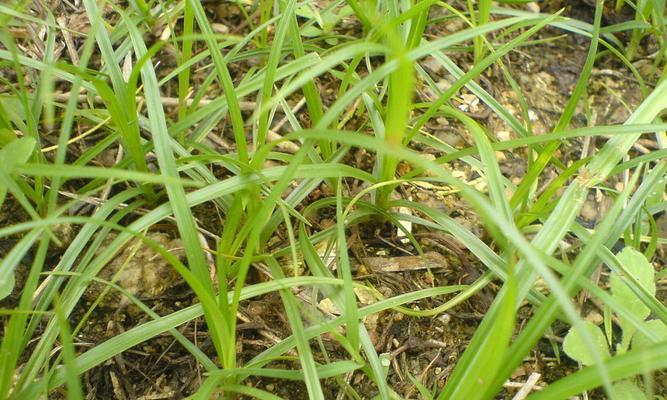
(287, 146)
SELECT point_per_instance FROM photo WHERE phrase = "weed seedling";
(639, 269)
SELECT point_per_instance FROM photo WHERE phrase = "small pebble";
(445, 318)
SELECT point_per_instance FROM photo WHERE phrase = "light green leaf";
(7, 286)
(642, 272)
(16, 152)
(626, 390)
(307, 12)
(6, 136)
(641, 341)
(13, 152)
(331, 41)
(311, 31)
(576, 347)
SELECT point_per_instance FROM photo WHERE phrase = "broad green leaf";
(619, 367)
(16, 152)
(576, 347)
(311, 31)
(13, 152)
(307, 12)
(7, 286)
(642, 272)
(626, 390)
(640, 341)
(6, 136)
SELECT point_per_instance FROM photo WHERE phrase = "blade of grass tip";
(319, 67)
(306, 187)
(291, 306)
(544, 203)
(225, 80)
(185, 56)
(480, 92)
(270, 71)
(106, 49)
(291, 239)
(120, 102)
(42, 106)
(176, 193)
(521, 195)
(121, 115)
(620, 367)
(483, 13)
(17, 11)
(310, 91)
(265, 7)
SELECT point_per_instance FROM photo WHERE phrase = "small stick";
(527, 387)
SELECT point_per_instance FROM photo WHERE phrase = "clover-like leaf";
(7, 286)
(626, 390)
(642, 272)
(6, 136)
(12, 153)
(659, 329)
(16, 152)
(311, 31)
(579, 349)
